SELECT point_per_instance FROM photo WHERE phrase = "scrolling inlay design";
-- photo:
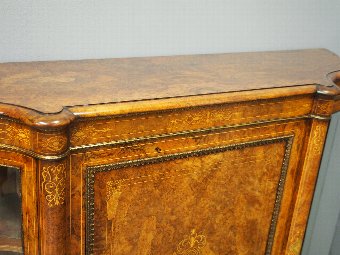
(18, 135)
(54, 143)
(191, 244)
(81, 134)
(54, 182)
(317, 140)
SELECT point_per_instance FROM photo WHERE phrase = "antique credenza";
(201, 155)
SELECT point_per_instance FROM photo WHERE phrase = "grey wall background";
(80, 29)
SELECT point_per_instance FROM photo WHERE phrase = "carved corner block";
(326, 101)
(322, 108)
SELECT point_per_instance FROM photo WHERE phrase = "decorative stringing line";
(222, 148)
(32, 153)
(192, 137)
(91, 171)
(173, 114)
(165, 176)
(177, 170)
(186, 132)
(191, 146)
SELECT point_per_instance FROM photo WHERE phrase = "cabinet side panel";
(326, 201)
(310, 162)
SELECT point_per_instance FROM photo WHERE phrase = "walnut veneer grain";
(56, 84)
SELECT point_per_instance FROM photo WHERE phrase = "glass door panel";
(10, 212)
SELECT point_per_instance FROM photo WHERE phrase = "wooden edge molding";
(35, 119)
(332, 90)
(68, 114)
(327, 105)
(59, 120)
(63, 118)
(156, 105)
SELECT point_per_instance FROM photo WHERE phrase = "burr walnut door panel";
(222, 199)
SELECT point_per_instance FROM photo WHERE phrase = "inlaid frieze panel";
(119, 128)
(55, 143)
(15, 134)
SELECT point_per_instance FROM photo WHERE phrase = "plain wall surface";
(80, 29)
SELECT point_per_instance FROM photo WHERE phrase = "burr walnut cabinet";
(186, 155)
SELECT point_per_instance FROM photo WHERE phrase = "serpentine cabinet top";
(53, 93)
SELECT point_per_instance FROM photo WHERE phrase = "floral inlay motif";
(54, 143)
(16, 135)
(191, 244)
(54, 181)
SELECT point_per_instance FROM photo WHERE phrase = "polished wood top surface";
(48, 87)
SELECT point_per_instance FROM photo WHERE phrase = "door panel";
(218, 200)
(19, 222)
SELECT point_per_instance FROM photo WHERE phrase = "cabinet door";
(226, 191)
(10, 210)
(18, 226)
